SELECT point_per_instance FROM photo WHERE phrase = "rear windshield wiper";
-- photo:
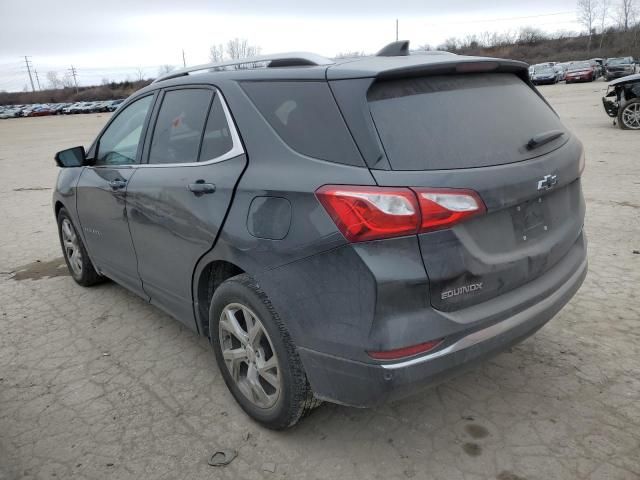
(543, 139)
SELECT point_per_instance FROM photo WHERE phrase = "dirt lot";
(95, 383)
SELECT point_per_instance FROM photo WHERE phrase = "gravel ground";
(95, 383)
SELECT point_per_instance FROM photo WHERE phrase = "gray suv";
(346, 230)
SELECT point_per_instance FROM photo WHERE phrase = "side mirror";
(71, 157)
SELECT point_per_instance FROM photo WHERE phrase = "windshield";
(617, 61)
(441, 122)
(580, 65)
(544, 69)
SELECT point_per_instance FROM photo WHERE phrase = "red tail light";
(372, 213)
(443, 208)
(406, 351)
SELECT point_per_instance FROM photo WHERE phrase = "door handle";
(200, 188)
(118, 184)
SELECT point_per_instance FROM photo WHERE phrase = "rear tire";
(75, 254)
(629, 116)
(261, 369)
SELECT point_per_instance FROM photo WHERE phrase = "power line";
(35, 72)
(74, 75)
(26, 61)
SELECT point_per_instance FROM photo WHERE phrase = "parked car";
(580, 72)
(335, 228)
(10, 113)
(619, 67)
(561, 72)
(41, 111)
(622, 102)
(74, 108)
(115, 104)
(544, 74)
(59, 108)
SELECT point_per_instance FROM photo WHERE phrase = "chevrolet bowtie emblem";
(547, 182)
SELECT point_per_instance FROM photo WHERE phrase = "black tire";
(86, 275)
(633, 104)
(295, 399)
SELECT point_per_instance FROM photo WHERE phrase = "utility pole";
(74, 74)
(396, 29)
(26, 61)
(184, 62)
(35, 72)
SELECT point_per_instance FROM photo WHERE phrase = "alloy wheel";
(631, 116)
(71, 247)
(249, 355)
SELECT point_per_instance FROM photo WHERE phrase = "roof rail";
(293, 59)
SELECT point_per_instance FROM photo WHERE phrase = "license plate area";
(530, 220)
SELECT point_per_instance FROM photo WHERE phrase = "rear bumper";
(361, 384)
(580, 78)
(544, 81)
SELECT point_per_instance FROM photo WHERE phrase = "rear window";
(459, 121)
(306, 117)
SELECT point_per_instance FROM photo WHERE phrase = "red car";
(580, 72)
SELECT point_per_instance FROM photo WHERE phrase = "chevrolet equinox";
(347, 230)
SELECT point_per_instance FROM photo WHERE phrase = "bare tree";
(450, 44)
(216, 53)
(54, 81)
(587, 12)
(239, 48)
(165, 69)
(139, 73)
(105, 81)
(603, 17)
(531, 35)
(67, 80)
(627, 10)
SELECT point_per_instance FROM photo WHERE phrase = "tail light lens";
(372, 213)
(443, 208)
(406, 351)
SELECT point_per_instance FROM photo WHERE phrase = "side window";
(306, 117)
(119, 143)
(179, 127)
(217, 138)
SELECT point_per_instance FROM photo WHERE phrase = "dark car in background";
(341, 230)
(619, 67)
(544, 75)
(622, 102)
(580, 72)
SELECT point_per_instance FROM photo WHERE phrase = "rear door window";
(180, 126)
(217, 136)
(460, 121)
(306, 117)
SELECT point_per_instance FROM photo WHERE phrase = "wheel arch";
(58, 205)
(208, 276)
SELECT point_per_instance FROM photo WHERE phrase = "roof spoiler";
(395, 49)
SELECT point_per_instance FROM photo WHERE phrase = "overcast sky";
(115, 38)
